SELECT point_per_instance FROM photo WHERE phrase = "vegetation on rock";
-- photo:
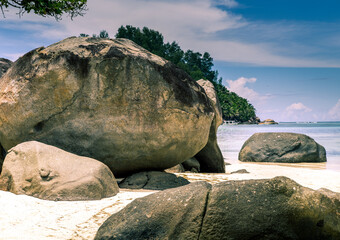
(197, 65)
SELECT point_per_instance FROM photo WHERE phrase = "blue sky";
(282, 55)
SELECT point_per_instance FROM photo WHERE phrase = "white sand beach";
(24, 217)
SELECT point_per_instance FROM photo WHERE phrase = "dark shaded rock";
(191, 165)
(210, 157)
(240, 171)
(171, 214)
(5, 64)
(108, 99)
(273, 209)
(46, 172)
(281, 147)
(153, 180)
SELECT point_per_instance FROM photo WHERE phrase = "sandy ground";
(24, 217)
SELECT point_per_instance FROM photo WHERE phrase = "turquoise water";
(231, 138)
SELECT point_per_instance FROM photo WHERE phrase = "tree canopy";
(54, 8)
(197, 65)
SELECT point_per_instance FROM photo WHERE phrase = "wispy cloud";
(334, 112)
(200, 25)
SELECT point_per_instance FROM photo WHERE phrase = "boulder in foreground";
(108, 99)
(49, 173)
(275, 209)
(281, 147)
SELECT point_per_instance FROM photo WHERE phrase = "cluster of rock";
(110, 100)
(77, 114)
(104, 99)
(281, 147)
(255, 120)
(255, 209)
(268, 122)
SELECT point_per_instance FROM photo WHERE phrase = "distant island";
(268, 122)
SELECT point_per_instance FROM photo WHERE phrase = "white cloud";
(239, 86)
(297, 107)
(193, 24)
(334, 112)
(297, 112)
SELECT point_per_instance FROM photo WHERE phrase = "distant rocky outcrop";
(210, 157)
(153, 180)
(278, 208)
(268, 122)
(110, 100)
(281, 147)
(46, 172)
(5, 64)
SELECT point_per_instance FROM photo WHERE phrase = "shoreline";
(305, 174)
(34, 218)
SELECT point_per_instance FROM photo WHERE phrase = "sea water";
(231, 138)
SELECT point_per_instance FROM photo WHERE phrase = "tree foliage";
(54, 8)
(197, 65)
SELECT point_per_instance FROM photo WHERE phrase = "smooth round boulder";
(107, 99)
(281, 147)
(49, 173)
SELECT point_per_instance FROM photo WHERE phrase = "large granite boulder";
(281, 147)
(271, 209)
(107, 99)
(171, 214)
(46, 172)
(210, 157)
(153, 180)
(5, 64)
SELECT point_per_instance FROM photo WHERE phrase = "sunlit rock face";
(46, 172)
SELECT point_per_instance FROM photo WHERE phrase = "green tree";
(103, 34)
(197, 65)
(54, 8)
